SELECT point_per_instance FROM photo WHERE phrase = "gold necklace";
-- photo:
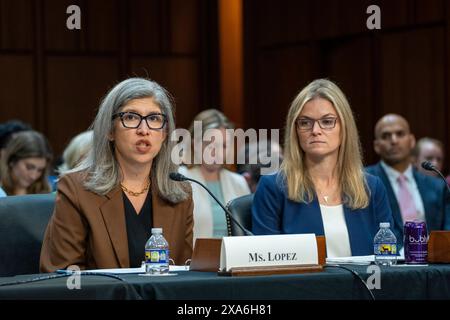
(135, 194)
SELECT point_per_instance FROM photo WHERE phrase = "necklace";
(135, 194)
(329, 197)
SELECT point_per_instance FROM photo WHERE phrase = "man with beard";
(412, 195)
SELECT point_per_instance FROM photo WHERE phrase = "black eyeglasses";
(306, 124)
(132, 120)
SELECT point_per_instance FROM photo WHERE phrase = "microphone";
(179, 177)
(427, 165)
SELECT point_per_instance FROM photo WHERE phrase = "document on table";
(126, 270)
(362, 260)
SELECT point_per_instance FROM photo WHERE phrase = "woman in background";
(25, 164)
(209, 217)
(76, 151)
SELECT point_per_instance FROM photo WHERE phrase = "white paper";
(271, 250)
(351, 260)
(130, 270)
(362, 260)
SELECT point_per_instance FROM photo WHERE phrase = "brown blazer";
(89, 230)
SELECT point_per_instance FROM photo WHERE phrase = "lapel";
(352, 231)
(113, 213)
(396, 214)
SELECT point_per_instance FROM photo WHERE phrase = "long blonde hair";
(300, 186)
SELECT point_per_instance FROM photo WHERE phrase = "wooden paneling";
(402, 68)
(398, 13)
(184, 26)
(281, 75)
(74, 94)
(57, 36)
(231, 60)
(16, 24)
(17, 93)
(180, 77)
(54, 78)
(284, 23)
(339, 17)
(354, 74)
(146, 26)
(102, 24)
(412, 79)
(429, 11)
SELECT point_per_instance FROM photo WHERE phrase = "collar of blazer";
(113, 212)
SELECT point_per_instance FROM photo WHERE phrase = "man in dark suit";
(412, 195)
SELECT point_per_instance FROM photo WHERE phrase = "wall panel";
(16, 89)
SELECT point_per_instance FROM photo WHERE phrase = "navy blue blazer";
(274, 213)
(434, 198)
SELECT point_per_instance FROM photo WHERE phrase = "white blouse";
(336, 232)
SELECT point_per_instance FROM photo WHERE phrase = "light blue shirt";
(219, 219)
(2, 193)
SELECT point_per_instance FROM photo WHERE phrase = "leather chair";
(23, 220)
(241, 209)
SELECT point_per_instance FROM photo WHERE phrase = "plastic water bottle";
(157, 253)
(385, 246)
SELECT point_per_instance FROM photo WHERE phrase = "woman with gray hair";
(106, 206)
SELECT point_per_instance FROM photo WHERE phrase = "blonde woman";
(321, 187)
(77, 149)
(209, 218)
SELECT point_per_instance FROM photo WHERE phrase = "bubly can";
(415, 242)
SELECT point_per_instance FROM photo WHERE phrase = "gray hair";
(101, 166)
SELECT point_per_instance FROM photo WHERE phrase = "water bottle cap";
(156, 230)
(385, 224)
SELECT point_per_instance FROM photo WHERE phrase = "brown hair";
(25, 144)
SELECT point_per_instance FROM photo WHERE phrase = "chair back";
(241, 209)
(23, 220)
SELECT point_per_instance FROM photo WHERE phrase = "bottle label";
(157, 256)
(385, 249)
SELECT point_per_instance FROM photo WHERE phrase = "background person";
(259, 150)
(209, 217)
(428, 149)
(76, 150)
(412, 195)
(25, 164)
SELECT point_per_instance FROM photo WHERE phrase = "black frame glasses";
(327, 123)
(150, 125)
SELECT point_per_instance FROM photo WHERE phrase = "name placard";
(272, 250)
